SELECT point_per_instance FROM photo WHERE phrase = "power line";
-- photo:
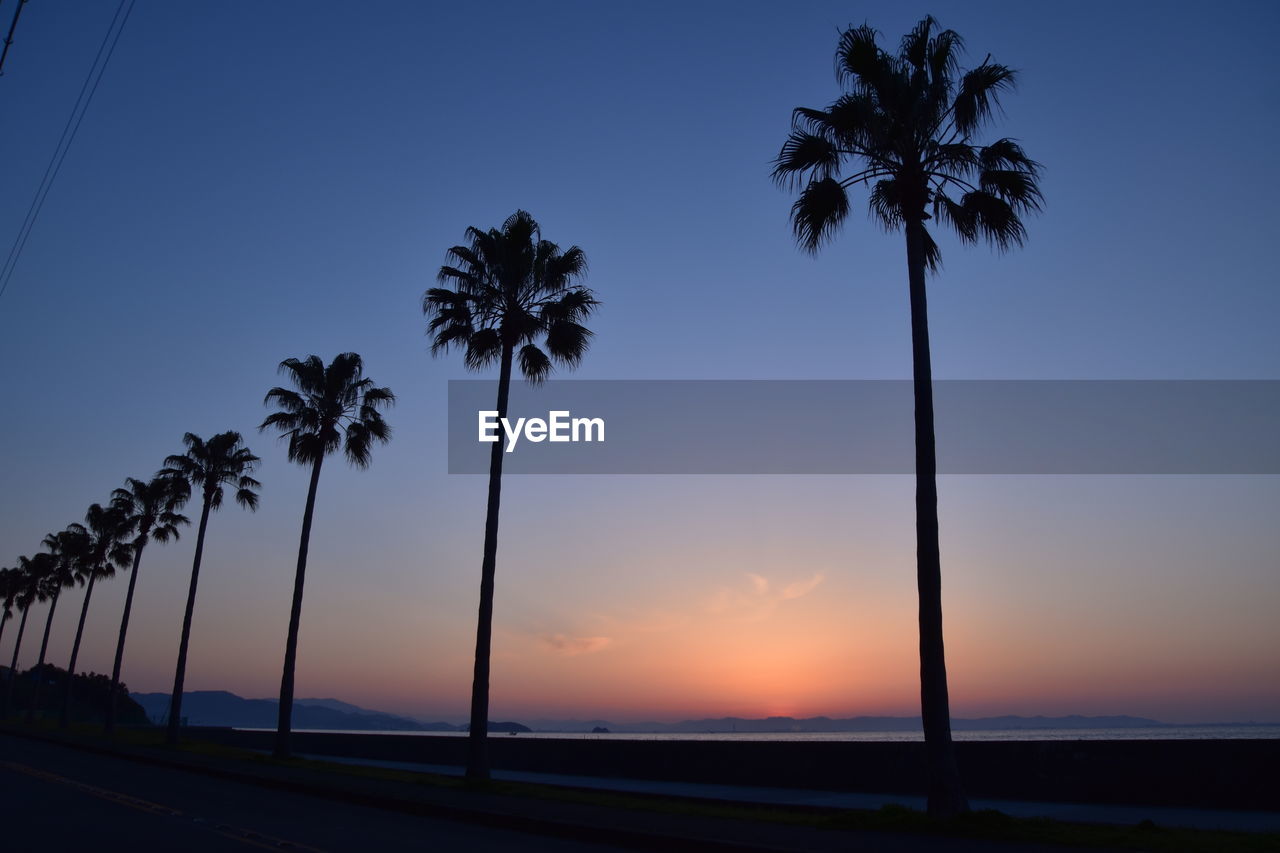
(69, 131)
(8, 40)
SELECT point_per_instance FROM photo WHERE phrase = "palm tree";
(907, 122)
(62, 569)
(334, 406)
(8, 592)
(208, 466)
(512, 289)
(150, 509)
(10, 586)
(26, 591)
(106, 551)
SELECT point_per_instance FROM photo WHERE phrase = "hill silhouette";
(89, 696)
(221, 708)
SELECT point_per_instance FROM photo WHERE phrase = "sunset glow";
(219, 216)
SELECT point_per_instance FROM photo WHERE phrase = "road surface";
(57, 798)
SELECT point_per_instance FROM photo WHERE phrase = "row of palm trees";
(907, 121)
(330, 407)
(112, 537)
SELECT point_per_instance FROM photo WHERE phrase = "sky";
(257, 181)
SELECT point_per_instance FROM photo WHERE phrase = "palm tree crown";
(30, 572)
(40, 573)
(68, 551)
(105, 548)
(10, 586)
(511, 288)
(333, 406)
(150, 508)
(210, 465)
(907, 121)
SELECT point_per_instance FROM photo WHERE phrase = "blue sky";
(262, 180)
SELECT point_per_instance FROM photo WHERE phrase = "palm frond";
(484, 347)
(804, 153)
(1017, 188)
(956, 215)
(995, 220)
(887, 203)
(286, 399)
(534, 364)
(822, 206)
(979, 94)
(1007, 154)
(858, 57)
(932, 254)
(944, 56)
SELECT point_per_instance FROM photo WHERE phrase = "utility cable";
(69, 131)
(8, 40)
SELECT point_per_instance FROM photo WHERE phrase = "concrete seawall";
(1185, 773)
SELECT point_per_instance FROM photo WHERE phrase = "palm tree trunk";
(65, 718)
(175, 701)
(13, 666)
(44, 647)
(478, 737)
(946, 795)
(109, 725)
(4, 620)
(285, 722)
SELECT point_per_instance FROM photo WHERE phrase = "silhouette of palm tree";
(334, 406)
(26, 592)
(106, 550)
(511, 289)
(149, 508)
(907, 122)
(8, 592)
(63, 563)
(210, 465)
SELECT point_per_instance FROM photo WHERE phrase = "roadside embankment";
(1183, 773)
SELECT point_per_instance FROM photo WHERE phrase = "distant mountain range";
(849, 724)
(220, 708)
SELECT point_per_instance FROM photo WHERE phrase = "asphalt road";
(55, 798)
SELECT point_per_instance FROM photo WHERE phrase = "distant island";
(792, 725)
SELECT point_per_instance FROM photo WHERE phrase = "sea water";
(1171, 732)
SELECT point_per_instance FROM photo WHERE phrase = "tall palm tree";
(64, 558)
(27, 591)
(511, 289)
(149, 510)
(907, 124)
(210, 465)
(8, 592)
(106, 551)
(332, 407)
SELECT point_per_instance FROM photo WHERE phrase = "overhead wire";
(69, 131)
(8, 40)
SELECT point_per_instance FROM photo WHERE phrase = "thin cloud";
(761, 597)
(799, 588)
(565, 645)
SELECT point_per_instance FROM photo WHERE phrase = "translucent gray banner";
(866, 427)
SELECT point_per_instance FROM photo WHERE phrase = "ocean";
(1202, 732)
